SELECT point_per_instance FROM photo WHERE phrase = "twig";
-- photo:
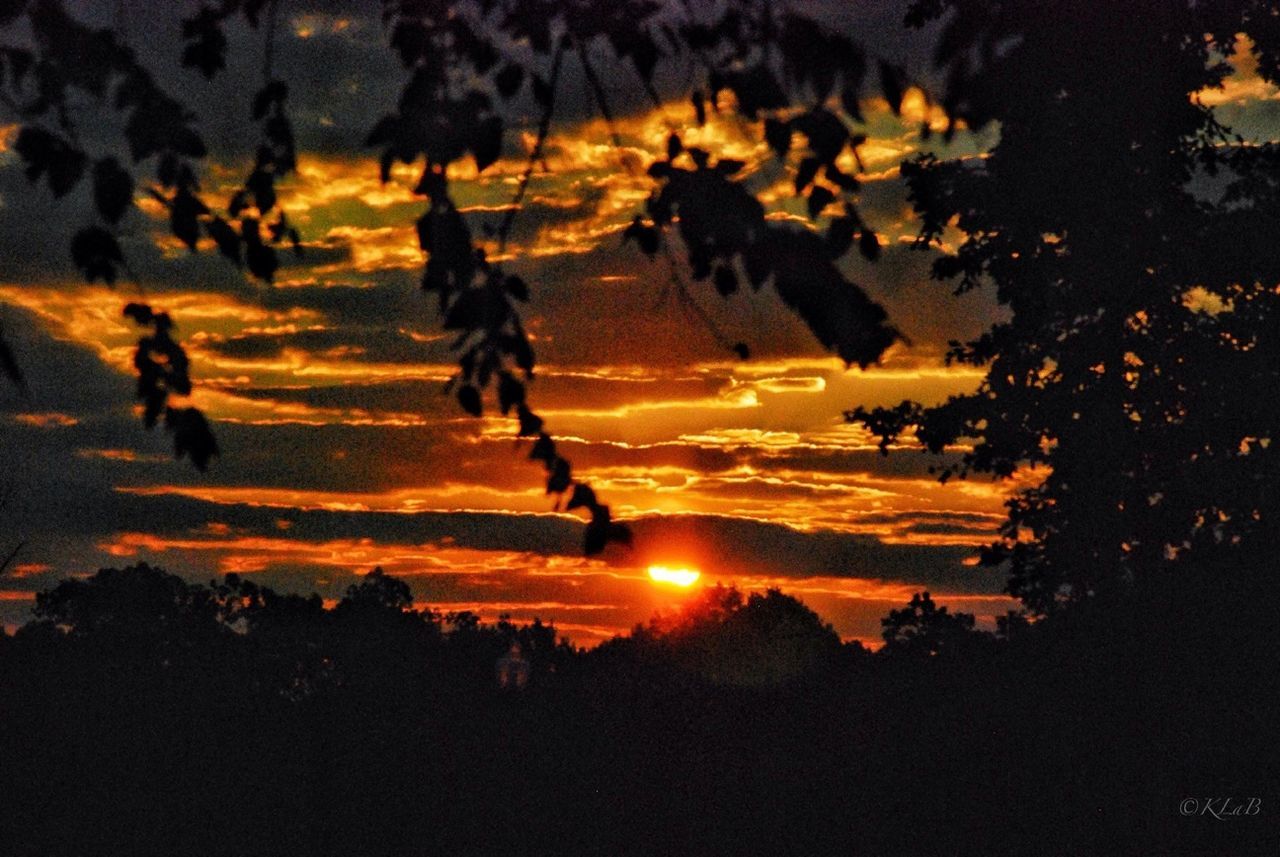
(535, 155)
(10, 558)
(597, 89)
(268, 51)
(681, 289)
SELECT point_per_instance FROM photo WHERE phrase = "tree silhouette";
(767, 639)
(922, 629)
(739, 726)
(140, 600)
(1130, 236)
(377, 592)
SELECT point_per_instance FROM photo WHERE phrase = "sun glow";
(675, 576)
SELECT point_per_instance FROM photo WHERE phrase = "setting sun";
(676, 576)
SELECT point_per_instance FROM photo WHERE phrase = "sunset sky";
(340, 448)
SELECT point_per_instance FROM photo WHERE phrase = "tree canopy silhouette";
(739, 725)
(1131, 237)
(923, 629)
(767, 639)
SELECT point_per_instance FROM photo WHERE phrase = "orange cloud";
(28, 569)
(51, 419)
(1243, 85)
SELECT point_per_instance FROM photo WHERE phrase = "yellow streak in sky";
(684, 577)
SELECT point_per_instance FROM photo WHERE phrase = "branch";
(597, 90)
(269, 37)
(535, 155)
(687, 300)
(681, 289)
(10, 558)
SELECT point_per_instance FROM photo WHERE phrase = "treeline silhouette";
(141, 714)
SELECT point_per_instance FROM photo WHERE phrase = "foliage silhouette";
(763, 640)
(922, 629)
(142, 714)
(1113, 213)
(457, 58)
(65, 60)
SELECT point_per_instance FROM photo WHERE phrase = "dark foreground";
(144, 725)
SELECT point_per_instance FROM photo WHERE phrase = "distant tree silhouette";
(376, 591)
(764, 639)
(923, 629)
(372, 637)
(144, 715)
(140, 606)
(1131, 237)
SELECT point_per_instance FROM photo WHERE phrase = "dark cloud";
(60, 376)
(379, 396)
(537, 212)
(901, 464)
(359, 344)
(395, 299)
(551, 388)
(718, 544)
(613, 305)
(755, 547)
(36, 230)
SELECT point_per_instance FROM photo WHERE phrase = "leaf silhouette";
(726, 280)
(226, 238)
(560, 476)
(699, 100)
(840, 236)
(819, 198)
(509, 80)
(583, 497)
(601, 530)
(49, 155)
(892, 86)
(487, 145)
(191, 436)
(163, 368)
(530, 423)
(511, 392)
(184, 212)
(206, 47)
(469, 398)
(778, 135)
(112, 189)
(96, 253)
(869, 245)
(260, 257)
(544, 450)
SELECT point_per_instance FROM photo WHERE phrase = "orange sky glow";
(341, 450)
(660, 422)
